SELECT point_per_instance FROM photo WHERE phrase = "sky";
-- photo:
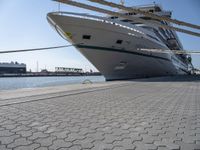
(23, 24)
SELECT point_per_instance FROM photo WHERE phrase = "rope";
(64, 46)
(35, 49)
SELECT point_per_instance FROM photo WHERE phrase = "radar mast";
(122, 2)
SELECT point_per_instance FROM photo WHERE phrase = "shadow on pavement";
(179, 78)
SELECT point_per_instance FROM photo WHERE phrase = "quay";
(146, 114)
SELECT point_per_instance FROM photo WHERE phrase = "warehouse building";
(12, 68)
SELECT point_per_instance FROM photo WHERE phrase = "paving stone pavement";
(136, 115)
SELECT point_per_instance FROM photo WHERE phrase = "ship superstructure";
(114, 44)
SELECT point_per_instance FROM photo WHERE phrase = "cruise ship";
(114, 45)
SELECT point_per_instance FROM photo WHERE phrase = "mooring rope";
(64, 46)
(35, 49)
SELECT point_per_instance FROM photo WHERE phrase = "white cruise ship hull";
(117, 61)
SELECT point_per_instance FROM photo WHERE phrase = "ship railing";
(88, 16)
(146, 5)
(80, 15)
(115, 22)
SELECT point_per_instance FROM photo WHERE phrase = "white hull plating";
(117, 61)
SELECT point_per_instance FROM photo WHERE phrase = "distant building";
(44, 71)
(12, 67)
(68, 70)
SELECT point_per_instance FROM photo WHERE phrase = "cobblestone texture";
(143, 115)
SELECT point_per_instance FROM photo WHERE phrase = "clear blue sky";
(23, 24)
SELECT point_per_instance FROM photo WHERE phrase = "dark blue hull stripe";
(120, 51)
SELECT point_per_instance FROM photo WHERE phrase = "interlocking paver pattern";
(135, 115)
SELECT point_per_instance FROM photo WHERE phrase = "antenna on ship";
(59, 6)
(122, 2)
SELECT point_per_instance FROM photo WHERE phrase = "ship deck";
(155, 113)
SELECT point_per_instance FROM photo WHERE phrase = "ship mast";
(122, 2)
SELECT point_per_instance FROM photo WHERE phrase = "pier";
(145, 114)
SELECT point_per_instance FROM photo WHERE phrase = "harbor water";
(33, 82)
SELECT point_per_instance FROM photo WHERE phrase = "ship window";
(135, 23)
(119, 41)
(157, 9)
(127, 20)
(113, 17)
(152, 37)
(88, 37)
(146, 18)
(151, 10)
